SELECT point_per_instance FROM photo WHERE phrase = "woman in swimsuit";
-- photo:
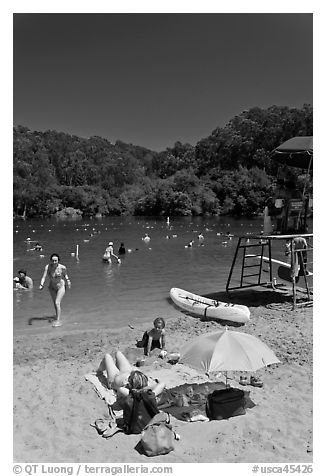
(118, 372)
(57, 274)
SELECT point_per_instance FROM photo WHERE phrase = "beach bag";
(139, 409)
(158, 437)
(225, 403)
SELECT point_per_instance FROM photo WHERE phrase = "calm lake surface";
(137, 290)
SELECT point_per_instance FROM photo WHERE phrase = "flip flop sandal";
(255, 382)
(106, 427)
(244, 381)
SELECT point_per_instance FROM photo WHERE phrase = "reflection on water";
(22, 296)
(111, 270)
(135, 291)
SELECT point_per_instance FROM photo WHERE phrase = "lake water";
(137, 290)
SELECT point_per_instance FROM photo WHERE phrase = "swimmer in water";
(58, 277)
(23, 281)
(146, 238)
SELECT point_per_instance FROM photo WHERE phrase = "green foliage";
(228, 172)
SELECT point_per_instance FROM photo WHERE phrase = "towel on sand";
(100, 386)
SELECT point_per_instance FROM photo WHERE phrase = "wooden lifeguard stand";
(251, 264)
(291, 213)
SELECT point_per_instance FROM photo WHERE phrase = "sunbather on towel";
(118, 373)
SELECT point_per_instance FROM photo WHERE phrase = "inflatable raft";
(208, 308)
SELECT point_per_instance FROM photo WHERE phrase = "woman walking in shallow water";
(57, 274)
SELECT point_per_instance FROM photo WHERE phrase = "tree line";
(229, 172)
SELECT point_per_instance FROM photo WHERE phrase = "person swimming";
(23, 281)
(146, 238)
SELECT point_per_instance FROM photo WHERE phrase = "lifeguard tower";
(285, 220)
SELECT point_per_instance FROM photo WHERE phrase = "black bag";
(139, 409)
(225, 403)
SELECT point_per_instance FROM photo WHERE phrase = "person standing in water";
(109, 252)
(122, 249)
(58, 277)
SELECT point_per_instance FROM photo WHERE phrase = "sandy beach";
(54, 406)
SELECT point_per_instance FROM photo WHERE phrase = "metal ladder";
(244, 246)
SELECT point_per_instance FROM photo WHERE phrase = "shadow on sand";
(253, 297)
(185, 399)
(43, 318)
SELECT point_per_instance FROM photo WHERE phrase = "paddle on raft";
(202, 302)
(197, 300)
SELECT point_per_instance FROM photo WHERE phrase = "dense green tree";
(228, 172)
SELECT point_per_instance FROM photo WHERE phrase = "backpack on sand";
(158, 437)
(139, 408)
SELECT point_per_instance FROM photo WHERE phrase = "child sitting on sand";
(154, 338)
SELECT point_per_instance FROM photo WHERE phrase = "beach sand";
(54, 405)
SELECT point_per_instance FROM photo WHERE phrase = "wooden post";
(270, 261)
(233, 263)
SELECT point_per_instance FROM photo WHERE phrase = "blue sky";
(153, 79)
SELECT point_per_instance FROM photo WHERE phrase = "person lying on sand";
(118, 373)
(154, 338)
